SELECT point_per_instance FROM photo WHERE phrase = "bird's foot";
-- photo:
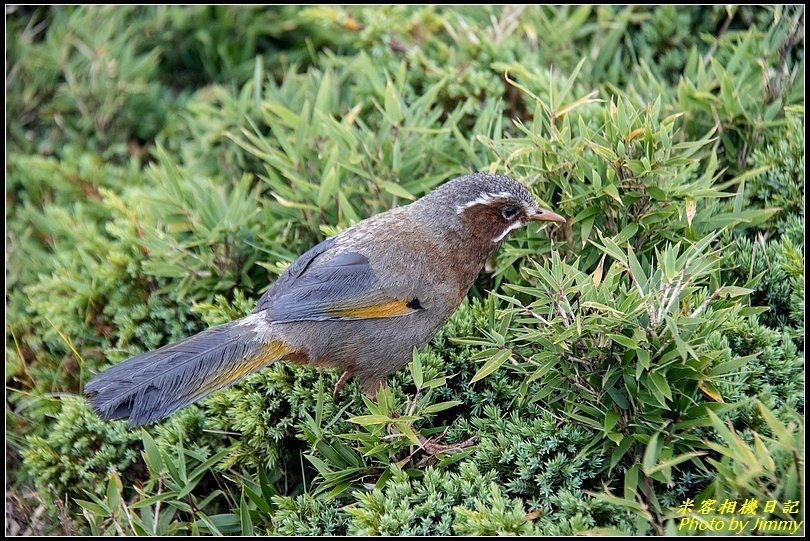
(432, 445)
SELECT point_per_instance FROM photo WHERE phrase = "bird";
(359, 301)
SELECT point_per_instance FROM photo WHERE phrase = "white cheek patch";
(514, 225)
(483, 198)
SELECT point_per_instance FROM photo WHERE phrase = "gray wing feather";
(313, 291)
(292, 273)
(154, 384)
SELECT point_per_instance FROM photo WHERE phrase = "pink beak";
(543, 215)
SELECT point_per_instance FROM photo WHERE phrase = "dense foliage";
(165, 164)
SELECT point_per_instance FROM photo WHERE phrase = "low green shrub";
(165, 164)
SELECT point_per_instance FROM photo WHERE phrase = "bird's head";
(486, 206)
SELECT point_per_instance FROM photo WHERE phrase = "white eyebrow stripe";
(512, 226)
(482, 199)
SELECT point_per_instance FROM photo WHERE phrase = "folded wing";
(341, 287)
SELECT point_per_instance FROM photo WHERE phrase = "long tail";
(153, 385)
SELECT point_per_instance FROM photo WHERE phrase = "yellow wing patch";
(271, 352)
(388, 309)
(264, 356)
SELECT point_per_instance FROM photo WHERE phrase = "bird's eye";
(509, 212)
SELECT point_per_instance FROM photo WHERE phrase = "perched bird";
(359, 301)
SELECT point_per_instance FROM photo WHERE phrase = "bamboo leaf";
(492, 364)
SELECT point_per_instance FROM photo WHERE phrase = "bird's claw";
(432, 445)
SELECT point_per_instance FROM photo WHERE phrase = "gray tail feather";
(153, 385)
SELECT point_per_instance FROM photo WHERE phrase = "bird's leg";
(347, 375)
(430, 445)
(371, 387)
